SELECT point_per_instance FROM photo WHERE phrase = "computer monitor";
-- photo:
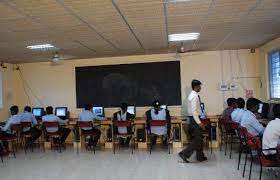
(38, 112)
(99, 111)
(61, 112)
(164, 106)
(131, 110)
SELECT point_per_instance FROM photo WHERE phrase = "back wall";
(40, 84)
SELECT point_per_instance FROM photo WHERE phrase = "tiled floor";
(52, 165)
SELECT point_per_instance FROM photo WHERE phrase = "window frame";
(270, 73)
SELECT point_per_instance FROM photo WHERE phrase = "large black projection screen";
(136, 84)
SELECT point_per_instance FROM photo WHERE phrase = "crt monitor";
(38, 112)
(164, 106)
(61, 112)
(131, 110)
(98, 110)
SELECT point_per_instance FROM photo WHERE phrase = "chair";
(157, 123)
(207, 133)
(27, 135)
(242, 145)
(249, 142)
(228, 130)
(9, 139)
(52, 135)
(16, 130)
(84, 124)
(127, 124)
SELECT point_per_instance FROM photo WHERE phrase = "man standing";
(195, 125)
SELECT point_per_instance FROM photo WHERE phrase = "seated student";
(50, 117)
(271, 135)
(239, 111)
(231, 102)
(123, 115)
(87, 115)
(27, 116)
(14, 119)
(157, 113)
(249, 120)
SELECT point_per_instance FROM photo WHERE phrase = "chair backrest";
(84, 124)
(16, 127)
(122, 123)
(206, 121)
(26, 124)
(51, 124)
(251, 141)
(158, 123)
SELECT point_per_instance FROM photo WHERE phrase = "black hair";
(276, 110)
(156, 104)
(87, 107)
(231, 101)
(252, 102)
(195, 83)
(27, 109)
(49, 110)
(124, 106)
(14, 110)
(240, 103)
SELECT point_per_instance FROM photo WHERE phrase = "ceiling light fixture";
(183, 37)
(41, 47)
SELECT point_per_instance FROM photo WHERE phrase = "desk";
(140, 122)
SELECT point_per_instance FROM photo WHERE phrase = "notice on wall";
(249, 93)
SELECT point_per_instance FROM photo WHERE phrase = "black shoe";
(203, 159)
(184, 158)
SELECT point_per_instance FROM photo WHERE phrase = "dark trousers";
(65, 133)
(154, 139)
(36, 133)
(95, 137)
(196, 141)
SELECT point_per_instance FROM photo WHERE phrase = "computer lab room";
(140, 89)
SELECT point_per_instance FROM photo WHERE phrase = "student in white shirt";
(249, 120)
(50, 117)
(27, 116)
(239, 111)
(157, 113)
(195, 126)
(6, 130)
(271, 135)
(14, 119)
(86, 115)
(123, 115)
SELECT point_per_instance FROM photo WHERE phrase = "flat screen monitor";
(38, 112)
(164, 106)
(99, 111)
(61, 112)
(131, 110)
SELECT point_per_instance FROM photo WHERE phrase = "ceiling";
(100, 28)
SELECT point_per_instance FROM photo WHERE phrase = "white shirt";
(87, 115)
(122, 117)
(237, 114)
(250, 122)
(53, 118)
(14, 119)
(28, 117)
(271, 136)
(160, 116)
(194, 108)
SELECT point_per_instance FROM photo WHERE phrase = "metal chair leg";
(260, 173)
(246, 156)
(239, 157)
(13, 149)
(250, 172)
(231, 142)
(226, 141)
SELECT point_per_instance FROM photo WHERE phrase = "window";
(274, 69)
